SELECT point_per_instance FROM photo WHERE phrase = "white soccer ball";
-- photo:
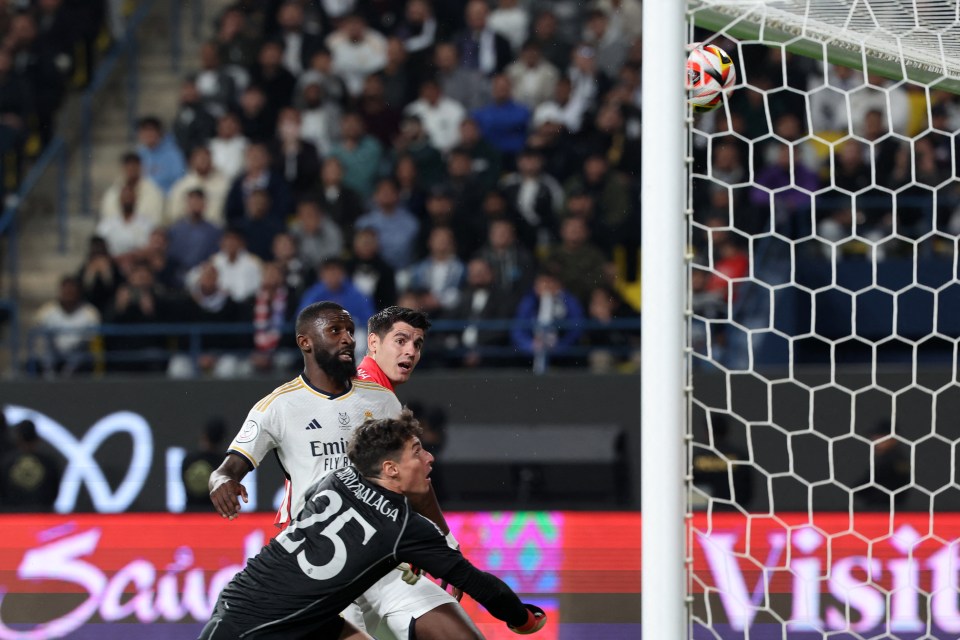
(710, 72)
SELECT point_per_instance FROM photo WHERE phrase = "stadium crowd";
(473, 159)
(806, 148)
(47, 47)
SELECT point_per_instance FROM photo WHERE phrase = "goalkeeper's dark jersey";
(349, 535)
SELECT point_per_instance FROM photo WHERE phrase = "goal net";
(825, 314)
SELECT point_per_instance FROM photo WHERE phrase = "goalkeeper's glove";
(453, 544)
(411, 574)
(536, 618)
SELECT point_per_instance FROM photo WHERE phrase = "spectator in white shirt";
(130, 230)
(534, 79)
(202, 175)
(240, 271)
(357, 52)
(511, 21)
(228, 149)
(562, 109)
(72, 318)
(441, 116)
(149, 197)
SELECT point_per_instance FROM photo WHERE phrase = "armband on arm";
(452, 542)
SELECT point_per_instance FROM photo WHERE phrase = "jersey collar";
(326, 394)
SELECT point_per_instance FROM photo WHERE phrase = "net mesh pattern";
(915, 34)
(824, 307)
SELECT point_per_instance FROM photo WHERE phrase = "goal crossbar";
(895, 39)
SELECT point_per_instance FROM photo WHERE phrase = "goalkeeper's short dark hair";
(378, 440)
(381, 322)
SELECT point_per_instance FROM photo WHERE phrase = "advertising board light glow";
(831, 573)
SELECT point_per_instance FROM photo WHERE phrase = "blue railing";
(188, 340)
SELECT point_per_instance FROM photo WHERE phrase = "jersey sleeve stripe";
(244, 454)
(281, 389)
(273, 394)
(266, 402)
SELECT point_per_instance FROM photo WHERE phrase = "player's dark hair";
(150, 122)
(379, 440)
(381, 322)
(311, 312)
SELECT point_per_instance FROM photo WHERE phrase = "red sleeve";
(369, 371)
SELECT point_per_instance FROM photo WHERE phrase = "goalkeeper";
(355, 528)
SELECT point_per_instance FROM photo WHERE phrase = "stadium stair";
(41, 262)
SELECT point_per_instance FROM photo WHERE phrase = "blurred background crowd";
(477, 160)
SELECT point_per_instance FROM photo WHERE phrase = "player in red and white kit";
(325, 336)
(395, 339)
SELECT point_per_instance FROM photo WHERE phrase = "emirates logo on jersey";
(344, 419)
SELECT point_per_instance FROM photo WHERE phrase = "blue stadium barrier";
(189, 339)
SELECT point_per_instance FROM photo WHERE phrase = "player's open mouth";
(405, 366)
(346, 356)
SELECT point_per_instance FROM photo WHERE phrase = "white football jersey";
(309, 430)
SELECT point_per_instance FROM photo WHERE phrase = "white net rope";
(915, 35)
(824, 326)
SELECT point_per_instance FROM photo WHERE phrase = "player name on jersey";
(368, 495)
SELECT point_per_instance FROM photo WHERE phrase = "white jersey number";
(339, 559)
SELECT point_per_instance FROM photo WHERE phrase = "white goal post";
(801, 322)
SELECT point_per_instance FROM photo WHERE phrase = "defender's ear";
(304, 343)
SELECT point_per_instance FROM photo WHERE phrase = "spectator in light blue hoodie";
(334, 284)
(396, 227)
(161, 157)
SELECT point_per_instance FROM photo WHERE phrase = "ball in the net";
(710, 71)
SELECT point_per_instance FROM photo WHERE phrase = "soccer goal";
(801, 316)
